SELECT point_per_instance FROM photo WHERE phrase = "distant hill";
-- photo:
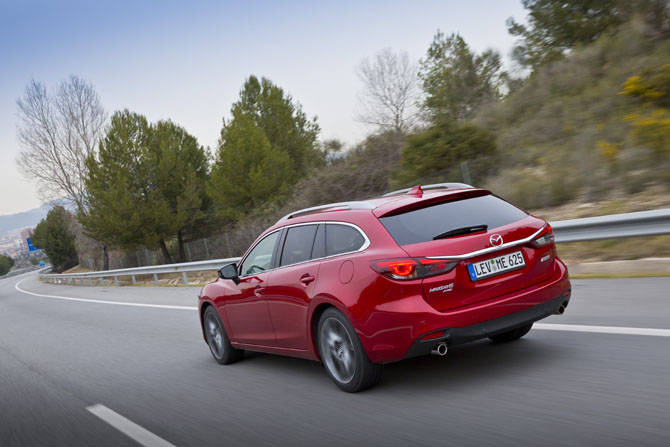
(26, 219)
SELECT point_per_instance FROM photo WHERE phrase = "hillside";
(566, 133)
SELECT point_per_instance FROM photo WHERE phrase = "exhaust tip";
(440, 349)
(561, 310)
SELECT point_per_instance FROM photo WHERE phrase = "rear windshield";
(425, 223)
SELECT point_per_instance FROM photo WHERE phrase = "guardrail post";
(155, 279)
(185, 278)
(116, 281)
(101, 281)
(133, 278)
(230, 251)
(465, 173)
(90, 282)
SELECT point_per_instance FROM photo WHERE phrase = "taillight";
(412, 268)
(546, 238)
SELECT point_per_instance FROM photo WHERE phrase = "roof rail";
(433, 186)
(329, 207)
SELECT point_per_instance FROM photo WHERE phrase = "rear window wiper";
(461, 231)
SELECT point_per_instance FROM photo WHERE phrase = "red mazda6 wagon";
(359, 284)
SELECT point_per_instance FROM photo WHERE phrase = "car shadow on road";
(467, 365)
(473, 364)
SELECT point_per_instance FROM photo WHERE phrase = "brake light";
(545, 239)
(412, 268)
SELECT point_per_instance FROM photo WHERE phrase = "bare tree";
(390, 92)
(58, 130)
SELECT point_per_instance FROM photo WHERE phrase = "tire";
(512, 335)
(217, 339)
(342, 354)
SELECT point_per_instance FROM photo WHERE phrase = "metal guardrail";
(155, 270)
(21, 271)
(645, 223)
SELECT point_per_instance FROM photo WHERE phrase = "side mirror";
(229, 272)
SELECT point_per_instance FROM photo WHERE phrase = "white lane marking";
(128, 427)
(542, 326)
(603, 329)
(116, 303)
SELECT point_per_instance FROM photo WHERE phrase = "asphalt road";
(151, 366)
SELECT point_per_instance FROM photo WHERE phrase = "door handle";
(306, 279)
(258, 291)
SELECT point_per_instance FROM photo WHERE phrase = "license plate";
(496, 266)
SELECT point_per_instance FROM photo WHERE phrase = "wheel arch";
(321, 304)
(203, 308)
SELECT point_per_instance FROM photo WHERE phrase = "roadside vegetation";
(6, 263)
(585, 118)
(54, 235)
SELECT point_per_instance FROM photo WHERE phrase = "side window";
(342, 239)
(298, 244)
(260, 257)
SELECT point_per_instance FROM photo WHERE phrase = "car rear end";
(476, 266)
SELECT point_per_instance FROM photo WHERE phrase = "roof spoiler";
(433, 186)
(384, 211)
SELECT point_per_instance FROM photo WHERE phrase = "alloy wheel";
(337, 350)
(214, 336)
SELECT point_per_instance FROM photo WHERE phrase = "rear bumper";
(460, 335)
(394, 331)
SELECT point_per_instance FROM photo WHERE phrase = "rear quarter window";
(342, 239)
(423, 224)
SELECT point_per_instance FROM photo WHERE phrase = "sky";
(186, 61)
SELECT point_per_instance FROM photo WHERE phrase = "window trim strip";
(363, 247)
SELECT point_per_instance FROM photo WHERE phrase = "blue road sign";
(31, 247)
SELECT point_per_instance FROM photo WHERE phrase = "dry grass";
(615, 249)
(618, 202)
(78, 269)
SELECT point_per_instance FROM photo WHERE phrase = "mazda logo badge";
(496, 240)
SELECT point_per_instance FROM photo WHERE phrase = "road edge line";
(603, 329)
(116, 303)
